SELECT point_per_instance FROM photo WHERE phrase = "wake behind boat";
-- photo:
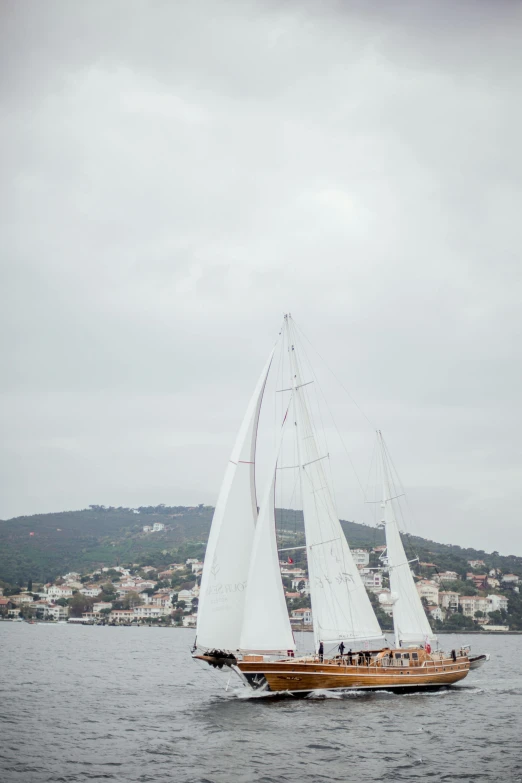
(243, 622)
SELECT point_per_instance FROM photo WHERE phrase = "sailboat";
(243, 623)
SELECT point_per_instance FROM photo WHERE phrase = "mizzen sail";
(411, 626)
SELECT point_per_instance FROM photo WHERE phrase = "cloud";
(177, 177)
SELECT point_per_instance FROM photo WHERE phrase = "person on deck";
(349, 656)
(321, 652)
(341, 649)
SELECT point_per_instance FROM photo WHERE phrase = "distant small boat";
(476, 661)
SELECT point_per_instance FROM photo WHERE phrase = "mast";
(410, 624)
(225, 571)
(266, 625)
(341, 608)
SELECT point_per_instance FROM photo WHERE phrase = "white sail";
(227, 558)
(340, 605)
(266, 626)
(411, 626)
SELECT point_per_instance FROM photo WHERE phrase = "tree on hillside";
(497, 617)
(462, 587)
(131, 600)
(79, 604)
(112, 574)
(29, 585)
(457, 622)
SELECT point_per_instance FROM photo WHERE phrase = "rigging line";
(401, 486)
(331, 484)
(309, 434)
(334, 422)
(335, 376)
(395, 497)
(370, 473)
(290, 388)
(302, 352)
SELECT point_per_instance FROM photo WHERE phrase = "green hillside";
(43, 546)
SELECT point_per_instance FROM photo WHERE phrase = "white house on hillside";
(305, 582)
(96, 608)
(58, 612)
(436, 612)
(498, 602)
(446, 576)
(449, 600)
(91, 591)
(58, 591)
(372, 580)
(302, 616)
(428, 590)
(149, 612)
(474, 603)
(361, 557)
(186, 595)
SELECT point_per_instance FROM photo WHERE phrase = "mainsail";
(410, 623)
(266, 626)
(341, 608)
(227, 559)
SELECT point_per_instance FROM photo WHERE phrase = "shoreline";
(189, 628)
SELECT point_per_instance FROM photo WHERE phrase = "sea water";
(129, 704)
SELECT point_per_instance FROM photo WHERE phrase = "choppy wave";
(131, 706)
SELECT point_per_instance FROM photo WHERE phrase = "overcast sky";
(176, 176)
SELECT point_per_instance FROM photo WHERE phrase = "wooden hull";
(305, 677)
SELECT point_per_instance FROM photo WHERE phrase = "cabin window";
(407, 656)
(415, 656)
(397, 656)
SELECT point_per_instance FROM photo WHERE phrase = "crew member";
(321, 652)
